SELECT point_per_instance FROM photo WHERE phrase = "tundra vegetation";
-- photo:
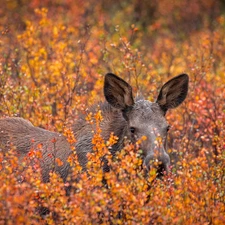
(54, 56)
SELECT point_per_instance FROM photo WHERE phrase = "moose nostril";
(161, 170)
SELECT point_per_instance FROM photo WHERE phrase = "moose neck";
(113, 122)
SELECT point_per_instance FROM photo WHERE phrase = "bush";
(52, 65)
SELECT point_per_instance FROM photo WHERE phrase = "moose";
(123, 115)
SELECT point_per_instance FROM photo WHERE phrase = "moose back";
(122, 114)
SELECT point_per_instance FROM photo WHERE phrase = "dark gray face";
(145, 118)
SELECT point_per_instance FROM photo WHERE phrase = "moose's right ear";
(173, 92)
(118, 92)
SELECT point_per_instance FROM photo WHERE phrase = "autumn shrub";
(52, 67)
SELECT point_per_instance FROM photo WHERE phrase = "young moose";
(122, 115)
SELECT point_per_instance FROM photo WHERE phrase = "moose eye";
(168, 128)
(132, 130)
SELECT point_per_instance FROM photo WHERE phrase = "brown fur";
(22, 134)
(122, 116)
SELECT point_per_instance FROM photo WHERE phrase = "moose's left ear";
(173, 92)
(118, 92)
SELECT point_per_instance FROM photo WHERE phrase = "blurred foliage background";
(53, 57)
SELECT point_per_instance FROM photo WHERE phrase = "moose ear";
(173, 92)
(118, 93)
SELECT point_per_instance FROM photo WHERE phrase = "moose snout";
(160, 162)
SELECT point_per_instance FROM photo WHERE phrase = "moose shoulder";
(24, 136)
(122, 115)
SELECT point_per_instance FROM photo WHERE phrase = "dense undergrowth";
(53, 60)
